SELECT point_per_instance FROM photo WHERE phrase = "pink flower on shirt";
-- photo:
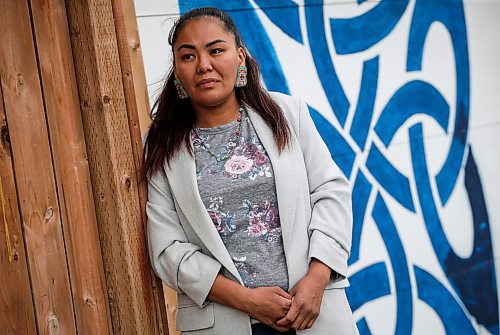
(257, 229)
(238, 165)
(260, 158)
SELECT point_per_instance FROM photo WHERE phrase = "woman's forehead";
(202, 30)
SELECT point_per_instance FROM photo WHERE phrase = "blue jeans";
(262, 329)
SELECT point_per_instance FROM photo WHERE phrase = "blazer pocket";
(192, 317)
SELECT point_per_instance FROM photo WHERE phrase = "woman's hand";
(307, 296)
(267, 304)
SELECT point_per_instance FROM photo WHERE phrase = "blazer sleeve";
(177, 262)
(330, 227)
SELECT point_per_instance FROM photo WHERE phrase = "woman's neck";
(213, 116)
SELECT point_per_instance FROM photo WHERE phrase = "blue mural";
(471, 292)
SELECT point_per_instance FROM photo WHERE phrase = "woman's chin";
(210, 98)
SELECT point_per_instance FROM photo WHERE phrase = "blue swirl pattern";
(471, 293)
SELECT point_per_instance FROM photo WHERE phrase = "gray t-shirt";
(236, 183)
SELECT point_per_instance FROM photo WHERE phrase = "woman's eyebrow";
(187, 46)
(209, 44)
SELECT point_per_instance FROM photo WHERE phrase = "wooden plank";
(137, 101)
(129, 45)
(17, 315)
(132, 63)
(170, 297)
(62, 106)
(112, 166)
(31, 156)
(131, 41)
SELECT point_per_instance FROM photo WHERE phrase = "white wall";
(393, 312)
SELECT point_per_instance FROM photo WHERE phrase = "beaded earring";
(180, 89)
(241, 76)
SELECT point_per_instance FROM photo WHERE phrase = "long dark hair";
(174, 117)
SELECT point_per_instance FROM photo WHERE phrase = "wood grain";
(17, 315)
(71, 166)
(110, 148)
(136, 99)
(33, 169)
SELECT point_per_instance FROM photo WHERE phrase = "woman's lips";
(207, 83)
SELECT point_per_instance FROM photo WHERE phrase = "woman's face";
(206, 61)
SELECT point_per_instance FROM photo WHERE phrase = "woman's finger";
(311, 323)
(279, 328)
(306, 321)
(290, 317)
(282, 293)
(300, 320)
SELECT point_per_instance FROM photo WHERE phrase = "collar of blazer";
(182, 179)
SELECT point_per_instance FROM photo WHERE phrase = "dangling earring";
(241, 76)
(180, 89)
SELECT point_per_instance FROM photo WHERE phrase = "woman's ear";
(242, 56)
(174, 69)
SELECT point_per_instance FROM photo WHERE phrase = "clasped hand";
(297, 309)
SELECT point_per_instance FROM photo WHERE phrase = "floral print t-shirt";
(236, 183)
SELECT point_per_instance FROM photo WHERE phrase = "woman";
(249, 218)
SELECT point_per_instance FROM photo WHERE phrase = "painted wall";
(406, 95)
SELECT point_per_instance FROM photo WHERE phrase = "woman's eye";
(217, 51)
(187, 56)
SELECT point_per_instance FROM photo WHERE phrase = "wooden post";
(134, 78)
(112, 149)
(17, 315)
(33, 171)
(74, 188)
(137, 101)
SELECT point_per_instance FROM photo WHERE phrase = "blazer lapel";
(283, 166)
(182, 178)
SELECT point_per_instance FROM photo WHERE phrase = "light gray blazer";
(314, 204)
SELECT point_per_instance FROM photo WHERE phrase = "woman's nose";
(204, 64)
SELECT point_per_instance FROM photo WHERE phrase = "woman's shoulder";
(286, 101)
(291, 106)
